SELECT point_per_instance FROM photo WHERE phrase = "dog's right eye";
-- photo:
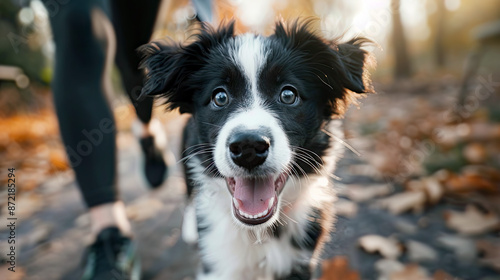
(220, 98)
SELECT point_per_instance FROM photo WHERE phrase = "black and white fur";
(302, 141)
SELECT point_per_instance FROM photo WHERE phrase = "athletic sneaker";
(155, 167)
(112, 257)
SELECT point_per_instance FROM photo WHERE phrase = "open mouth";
(255, 200)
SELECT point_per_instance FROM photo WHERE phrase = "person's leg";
(84, 43)
(133, 22)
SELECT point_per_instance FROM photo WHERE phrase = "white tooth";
(264, 212)
(271, 202)
(236, 203)
(259, 215)
(242, 213)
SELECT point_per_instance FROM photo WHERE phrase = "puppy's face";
(258, 103)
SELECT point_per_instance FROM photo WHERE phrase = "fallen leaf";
(387, 267)
(420, 252)
(481, 131)
(487, 172)
(472, 221)
(337, 268)
(442, 175)
(410, 272)
(57, 159)
(442, 275)
(431, 186)
(469, 182)
(387, 247)
(363, 193)
(346, 208)
(405, 226)
(475, 153)
(364, 170)
(490, 253)
(463, 247)
(402, 202)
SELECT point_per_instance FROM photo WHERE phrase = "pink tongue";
(254, 194)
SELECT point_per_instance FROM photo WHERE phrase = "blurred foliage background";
(431, 134)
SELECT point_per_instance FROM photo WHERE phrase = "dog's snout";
(249, 149)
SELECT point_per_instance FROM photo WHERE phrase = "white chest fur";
(236, 252)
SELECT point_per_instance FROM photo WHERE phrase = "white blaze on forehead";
(249, 54)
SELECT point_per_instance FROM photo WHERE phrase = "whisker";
(289, 218)
(338, 139)
(190, 156)
(218, 126)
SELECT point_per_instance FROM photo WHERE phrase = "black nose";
(248, 149)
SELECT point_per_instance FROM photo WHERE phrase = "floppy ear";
(338, 69)
(354, 60)
(169, 66)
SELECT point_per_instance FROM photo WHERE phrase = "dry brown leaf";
(387, 267)
(410, 272)
(420, 252)
(491, 253)
(387, 247)
(470, 182)
(442, 275)
(346, 208)
(472, 221)
(442, 175)
(57, 159)
(481, 131)
(487, 172)
(337, 268)
(452, 134)
(363, 193)
(431, 186)
(475, 153)
(364, 170)
(402, 202)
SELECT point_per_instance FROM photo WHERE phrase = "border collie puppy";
(261, 143)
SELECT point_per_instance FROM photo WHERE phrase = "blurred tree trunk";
(402, 67)
(439, 40)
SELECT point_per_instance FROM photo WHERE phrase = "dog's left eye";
(288, 95)
(220, 98)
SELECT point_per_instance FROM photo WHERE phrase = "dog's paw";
(189, 225)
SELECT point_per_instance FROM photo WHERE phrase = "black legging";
(83, 37)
